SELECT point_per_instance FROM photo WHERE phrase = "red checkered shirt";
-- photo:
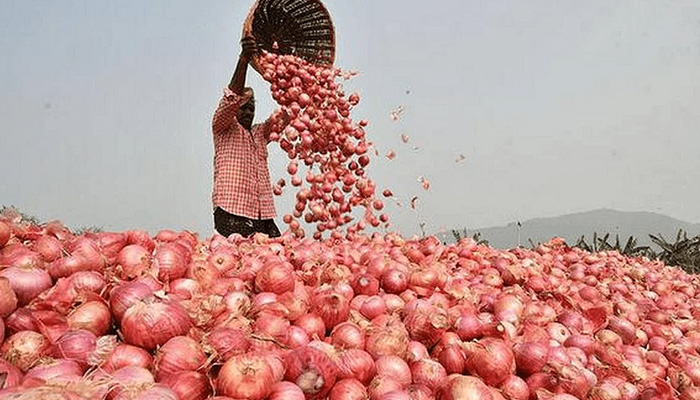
(241, 175)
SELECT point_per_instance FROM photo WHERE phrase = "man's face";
(246, 114)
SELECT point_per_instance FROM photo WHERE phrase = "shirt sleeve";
(225, 115)
(265, 129)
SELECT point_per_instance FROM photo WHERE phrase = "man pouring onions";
(242, 192)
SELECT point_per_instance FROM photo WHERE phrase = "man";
(242, 194)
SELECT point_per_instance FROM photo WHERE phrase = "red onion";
(78, 346)
(373, 307)
(514, 388)
(296, 337)
(348, 335)
(26, 282)
(332, 307)
(126, 295)
(151, 323)
(93, 316)
(271, 326)
(459, 387)
(54, 369)
(188, 385)
(124, 355)
(312, 370)
(48, 247)
(394, 281)
(227, 343)
(24, 349)
(88, 281)
(245, 377)
(157, 392)
(490, 359)
(530, 357)
(469, 326)
(380, 386)
(416, 351)
(605, 391)
(10, 376)
(395, 368)
(348, 389)
(180, 353)
(452, 358)
(275, 278)
(170, 262)
(286, 391)
(426, 324)
(429, 373)
(129, 380)
(133, 260)
(358, 364)
(5, 233)
(385, 340)
(8, 299)
(312, 324)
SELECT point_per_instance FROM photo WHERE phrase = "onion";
(132, 261)
(180, 353)
(93, 316)
(452, 358)
(188, 385)
(459, 387)
(26, 282)
(395, 368)
(312, 324)
(394, 281)
(48, 247)
(151, 323)
(124, 355)
(275, 278)
(227, 343)
(271, 326)
(126, 295)
(312, 370)
(605, 391)
(54, 369)
(381, 386)
(157, 392)
(391, 339)
(429, 373)
(10, 376)
(8, 299)
(358, 364)
(373, 307)
(530, 357)
(130, 380)
(78, 346)
(24, 349)
(88, 281)
(416, 351)
(170, 262)
(286, 391)
(332, 307)
(348, 335)
(245, 377)
(490, 359)
(365, 284)
(348, 389)
(514, 388)
(5, 234)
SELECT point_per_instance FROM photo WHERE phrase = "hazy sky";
(558, 106)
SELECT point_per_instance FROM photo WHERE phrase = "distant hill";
(572, 226)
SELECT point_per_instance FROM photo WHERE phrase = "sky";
(557, 106)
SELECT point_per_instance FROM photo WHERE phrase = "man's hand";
(248, 47)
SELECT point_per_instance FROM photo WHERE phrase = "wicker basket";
(300, 27)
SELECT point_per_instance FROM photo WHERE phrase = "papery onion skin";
(53, 369)
(93, 316)
(227, 342)
(8, 299)
(286, 391)
(180, 353)
(395, 368)
(151, 323)
(124, 355)
(515, 388)
(188, 385)
(126, 295)
(245, 377)
(26, 282)
(460, 387)
(429, 373)
(348, 389)
(357, 364)
(312, 370)
(77, 345)
(11, 375)
(24, 349)
(348, 336)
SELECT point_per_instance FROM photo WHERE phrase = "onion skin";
(12, 376)
(461, 387)
(490, 359)
(245, 377)
(93, 316)
(151, 323)
(78, 346)
(332, 307)
(312, 370)
(188, 385)
(227, 343)
(357, 364)
(8, 299)
(124, 355)
(54, 369)
(24, 349)
(530, 357)
(26, 282)
(126, 295)
(428, 372)
(286, 391)
(180, 353)
(395, 368)
(514, 388)
(348, 389)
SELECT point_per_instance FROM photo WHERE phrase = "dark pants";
(228, 224)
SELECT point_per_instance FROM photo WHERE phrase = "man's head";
(247, 111)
